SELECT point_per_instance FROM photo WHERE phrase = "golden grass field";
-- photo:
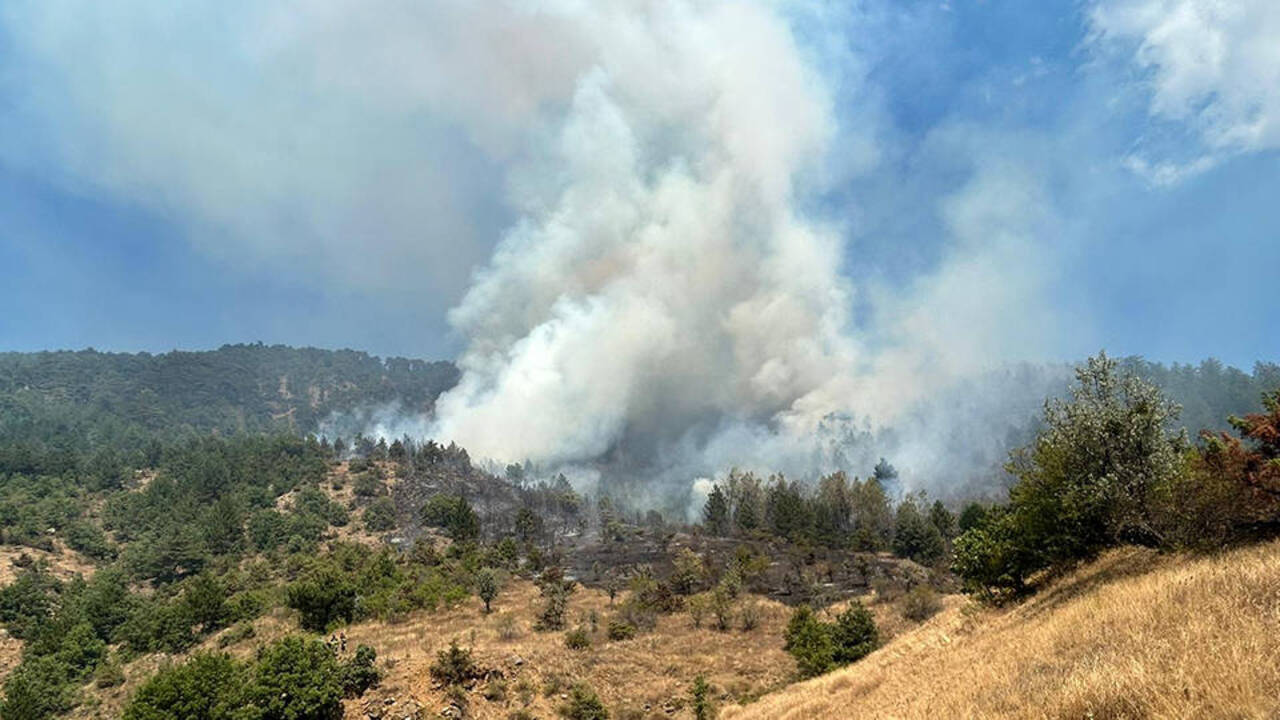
(1133, 635)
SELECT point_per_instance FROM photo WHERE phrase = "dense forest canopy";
(121, 400)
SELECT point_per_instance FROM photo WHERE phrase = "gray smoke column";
(661, 288)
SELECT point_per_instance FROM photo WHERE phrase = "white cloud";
(1213, 65)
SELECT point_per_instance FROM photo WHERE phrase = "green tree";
(324, 597)
(1093, 478)
(297, 678)
(487, 587)
(915, 536)
(206, 687)
(854, 634)
(454, 514)
(715, 512)
(943, 519)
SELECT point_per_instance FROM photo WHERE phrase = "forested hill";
(1209, 392)
(121, 399)
(124, 400)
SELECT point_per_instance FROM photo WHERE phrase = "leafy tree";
(1092, 478)
(323, 597)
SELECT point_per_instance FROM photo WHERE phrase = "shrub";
(206, 686)
(108, 674)
(618, 630)
(359, 673)
(555, 590)
(297, 677)
(689, 572)
(454, 514)
(854, 634)
(809, 642)
(244, 631)
(583, 704)
(507, 628)
(920, 603)
(722, 607)
(495, 690)
(380, 515)
(577, 639)
(819, 647)
(749, 616)
(700, 696)
(699, 606)
(455, 666)
(369, 485)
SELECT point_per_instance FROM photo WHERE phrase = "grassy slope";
(1133, 635)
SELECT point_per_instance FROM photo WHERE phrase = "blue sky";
(1156, 231)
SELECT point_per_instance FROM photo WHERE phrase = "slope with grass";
(1132, 635)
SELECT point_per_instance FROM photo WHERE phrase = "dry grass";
(1134, 635)
(646, 677)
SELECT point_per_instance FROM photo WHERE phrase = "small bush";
(243, 631)
(577, 639)
(495, 690)
(749, 617)
(700, 696)
(507, 627)
(359, 674)
(108, 674)
(920, 604)
(455, 666)
(583, 704)
(854, 634)
(809, 642)
(619, 630)
(380, 515)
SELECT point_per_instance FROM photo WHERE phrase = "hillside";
(123, 399)
(1132, 635)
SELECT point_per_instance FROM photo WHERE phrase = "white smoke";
(666, 301)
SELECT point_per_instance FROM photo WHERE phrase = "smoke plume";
(666, 305)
